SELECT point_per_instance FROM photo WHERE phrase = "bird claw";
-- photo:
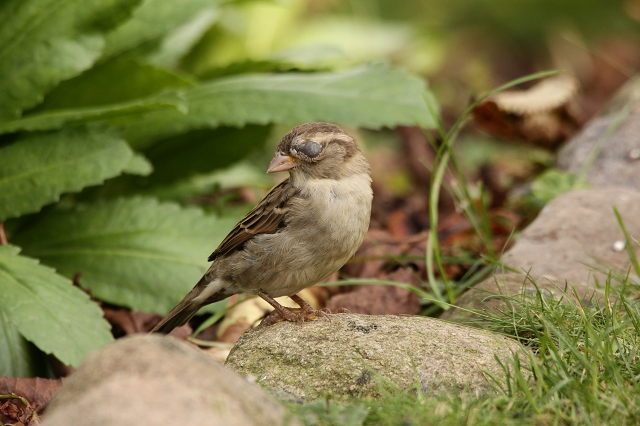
(293, 315)
(304, 313)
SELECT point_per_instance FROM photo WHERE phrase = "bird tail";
(202, 294)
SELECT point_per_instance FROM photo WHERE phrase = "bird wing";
(266, 218)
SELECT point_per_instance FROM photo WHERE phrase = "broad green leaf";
(152, 20)
(180, 157)
(177, 43)
(18, 356)
(253, 31)
(239, 175)
(43, 42)
(131, 252)
(114, 91)
(249, 66)
(371, 96)
(115, 113)
(139, 165)
(201, 151)
(38, 167)
(226, 42)
(48, 310)
(112, 82)
(354, 40)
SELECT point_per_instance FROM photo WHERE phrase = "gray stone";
(571, 246)
(503, 294)
(615, 137)
(346, 354)
(577, 233)
(154, 380)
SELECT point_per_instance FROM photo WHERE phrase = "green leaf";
(114, 91)
(371, 96)
(241, 174)
(48, 310)
(177, 158)
(201, 151)
(177, 43)
(39, 167)
(131, 252)
(18, 356)
(151, 21)
(248, 66)
(43, 42)
(116, 113)
(139, 165)
(113, 82)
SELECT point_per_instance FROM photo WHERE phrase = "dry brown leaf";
(397, 223)
(379, 299)
(36, 391)
(377, 258)
(548, 94)
(456, 233)
(219, 352)
(14, 410)
(545, 114)
(124, 321)
(10, 410)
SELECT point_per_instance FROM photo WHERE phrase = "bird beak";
(281, 162)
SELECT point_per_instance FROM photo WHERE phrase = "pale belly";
(284, 263)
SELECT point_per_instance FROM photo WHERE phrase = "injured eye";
(311, 149)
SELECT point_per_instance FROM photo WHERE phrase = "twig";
(14, 396)
(3, 236)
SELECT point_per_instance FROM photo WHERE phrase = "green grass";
(583, 369)
(583, 356)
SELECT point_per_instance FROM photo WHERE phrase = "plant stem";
(3, 236)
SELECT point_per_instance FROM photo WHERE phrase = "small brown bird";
(302, 231)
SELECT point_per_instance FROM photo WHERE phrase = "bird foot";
(293, 315)
(280, 313)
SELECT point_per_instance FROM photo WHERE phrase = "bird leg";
(304, 313)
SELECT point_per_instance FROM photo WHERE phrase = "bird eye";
(311, 149)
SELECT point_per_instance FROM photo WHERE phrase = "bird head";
(320, 151)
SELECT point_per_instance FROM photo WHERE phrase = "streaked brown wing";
(265, 218)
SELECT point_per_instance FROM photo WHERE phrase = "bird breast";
(338, 210)
(335, 216)
(327, 223)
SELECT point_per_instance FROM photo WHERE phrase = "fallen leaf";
(379, 299)
(125, 321)
(36, 390)
(545, 114)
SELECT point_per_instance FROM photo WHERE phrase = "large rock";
(576, 234)
(505, 293)
(573, 244)
(615, 137)
(156, 380)
(345, 354)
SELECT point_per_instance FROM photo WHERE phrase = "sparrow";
(302, 231)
